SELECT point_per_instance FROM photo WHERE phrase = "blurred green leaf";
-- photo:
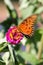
(24, 4)
(28, 57)
(14, 15)
(20, 59)
(39, 10)
(2, 46)
(10, 62)
(5, 57)
(2, 63)
(41, 1)
(41, 30)
(27, 11)
(37, 36)
(33, 1)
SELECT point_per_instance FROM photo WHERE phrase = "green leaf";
(24, 4)
(14, 15)
(27, 11)
(41, 1)
(2, 46)
(28, 57)
(5, 57)
(41, 30)
(2, 63)
(10, 62)
(39, 10)
(20, 59)
(33, 1)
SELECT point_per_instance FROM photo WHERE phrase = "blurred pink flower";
(13, 35)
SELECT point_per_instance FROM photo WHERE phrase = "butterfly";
(27, 26)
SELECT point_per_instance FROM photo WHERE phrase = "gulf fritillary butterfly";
(27, 26)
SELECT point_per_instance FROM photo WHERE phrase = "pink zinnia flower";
(13, 35)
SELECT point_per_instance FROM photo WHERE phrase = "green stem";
(40, 48)
(11, 52)
(16, 62)
(13, 55)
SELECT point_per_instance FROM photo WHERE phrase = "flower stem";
(16, 62)
(13, 55)
(40, 48)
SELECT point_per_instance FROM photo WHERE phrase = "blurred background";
(13, 12)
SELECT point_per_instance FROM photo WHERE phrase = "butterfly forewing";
(27, 26)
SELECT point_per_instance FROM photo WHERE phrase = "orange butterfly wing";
(27, 26)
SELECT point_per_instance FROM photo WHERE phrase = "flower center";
(11, 36)
(17, 37)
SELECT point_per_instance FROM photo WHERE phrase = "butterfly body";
(27, 26)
